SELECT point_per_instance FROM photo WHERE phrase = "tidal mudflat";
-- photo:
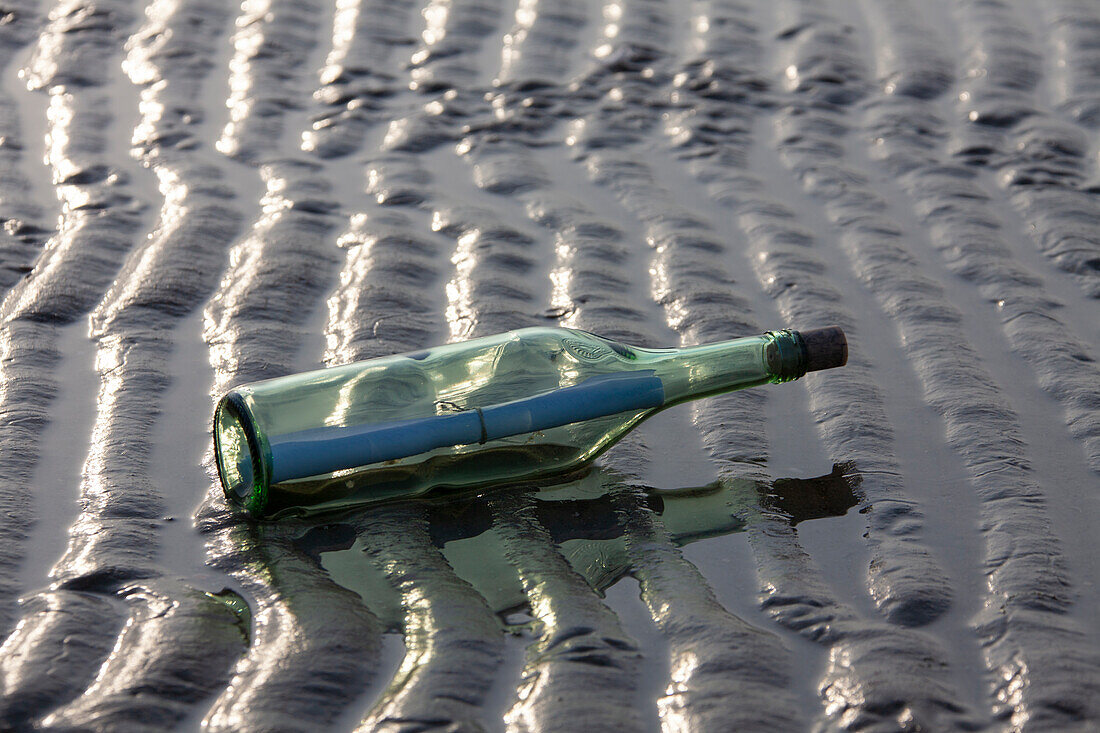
(195, 195)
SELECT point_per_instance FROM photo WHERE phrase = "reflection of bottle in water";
(582, 519)
(503, 408)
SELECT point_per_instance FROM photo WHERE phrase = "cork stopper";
(825, 348)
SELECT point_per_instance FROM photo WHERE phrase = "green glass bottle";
(499, 409)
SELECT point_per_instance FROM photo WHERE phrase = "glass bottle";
(499, 409)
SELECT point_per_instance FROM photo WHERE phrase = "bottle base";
(240, 455)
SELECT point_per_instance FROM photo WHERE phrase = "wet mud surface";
(195, 195)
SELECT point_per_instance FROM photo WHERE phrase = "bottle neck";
(692, 372)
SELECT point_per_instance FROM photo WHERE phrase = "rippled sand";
(195, 196)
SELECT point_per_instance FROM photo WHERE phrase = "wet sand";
(195, 195)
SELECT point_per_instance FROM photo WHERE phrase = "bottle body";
(499, 409)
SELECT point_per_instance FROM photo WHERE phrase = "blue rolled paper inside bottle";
(324, 450)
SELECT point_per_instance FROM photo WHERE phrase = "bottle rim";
(785, 355)
(255, 500)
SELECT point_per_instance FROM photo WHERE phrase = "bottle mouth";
(791, 354)
(785, 356)
(240, 456)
